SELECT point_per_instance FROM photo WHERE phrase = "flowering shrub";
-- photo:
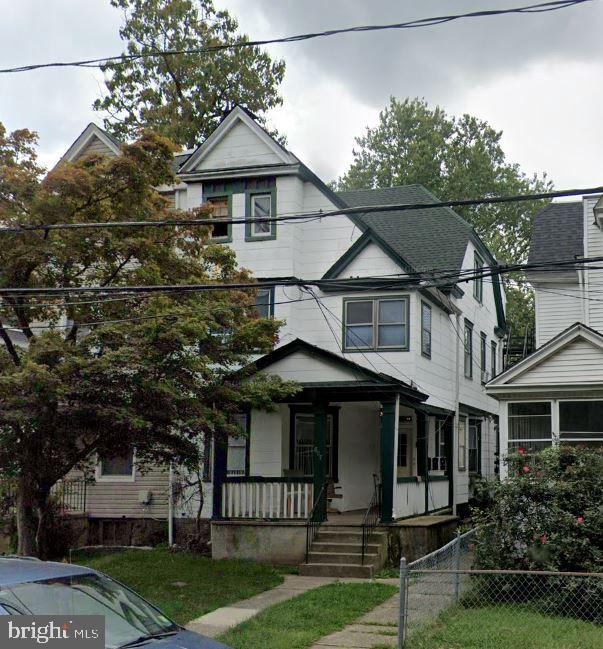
(547, 516)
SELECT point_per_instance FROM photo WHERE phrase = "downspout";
(171, 506)
(455, 428)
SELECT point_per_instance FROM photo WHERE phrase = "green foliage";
(547, 516)
(184, 96)
(455, 158)
(154, 372)
(184, 585)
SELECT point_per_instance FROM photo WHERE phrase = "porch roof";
(353, 383)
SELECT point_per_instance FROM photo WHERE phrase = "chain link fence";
(444, 585)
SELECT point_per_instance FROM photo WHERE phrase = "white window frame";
(99, 477)
(254, 218)
(462, 456)
(468, 350)
(478, 282)
(426, 331)
(241, 441)
(553, 439)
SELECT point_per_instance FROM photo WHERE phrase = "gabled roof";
(558, 234)
(512, 378)
(91, 132)
(362, 375)
(235, 116)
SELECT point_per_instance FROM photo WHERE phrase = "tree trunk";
(42, 532)
(27, 519)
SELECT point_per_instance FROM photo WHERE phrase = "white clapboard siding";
(558, 306)
(579, 362)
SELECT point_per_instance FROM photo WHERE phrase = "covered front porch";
(352, 445)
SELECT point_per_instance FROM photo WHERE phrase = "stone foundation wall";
(416, 537)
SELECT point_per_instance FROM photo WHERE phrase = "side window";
(116, 468)
(468, 345)
(493, 363)
(425, 330)
(378, 323)
(264, 302)
(236, 463)
(462, 444)
(483, 357)
(221, 210)
(478, 282)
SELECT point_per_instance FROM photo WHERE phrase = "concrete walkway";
(222, 619)
(376, 628)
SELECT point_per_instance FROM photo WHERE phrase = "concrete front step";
(355, 548)
(336, 570)
(328, 536)
(340, 557)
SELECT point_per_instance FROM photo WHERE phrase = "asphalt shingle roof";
(558, 233)
(425, 238)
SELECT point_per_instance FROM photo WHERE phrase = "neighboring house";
(393, 377)
(555, 395)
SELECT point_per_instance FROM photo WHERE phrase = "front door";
(302, 441)
(405, 446)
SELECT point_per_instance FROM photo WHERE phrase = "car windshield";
(127, 616)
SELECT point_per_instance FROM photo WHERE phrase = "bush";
(547, 516)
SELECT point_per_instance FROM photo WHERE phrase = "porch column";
(319, 457)
(388, 459)
(220, 464)
(423, 453)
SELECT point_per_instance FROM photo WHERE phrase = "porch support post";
(423, 425)
(388, 459)
(220, 463)
(319, 457)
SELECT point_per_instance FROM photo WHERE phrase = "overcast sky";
(538, 78)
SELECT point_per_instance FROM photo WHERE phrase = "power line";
(346, 211)
(411, 24)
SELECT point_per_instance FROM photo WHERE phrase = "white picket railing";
(263, 499)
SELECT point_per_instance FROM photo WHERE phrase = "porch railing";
(317, 517)
(371, 518)
(70, 495)
(267, 498)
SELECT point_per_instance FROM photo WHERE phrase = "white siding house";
(555, 395)
(392, 366)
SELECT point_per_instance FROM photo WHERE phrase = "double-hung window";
(260, 207)
(478, 282)
(483, 356)
(468, 349)
(116, 468)
(264, 302)
(493, 362)
(425, 330)
(220, 210)
(475, 434)
(462, 444)
(236, 461)
(376, 324)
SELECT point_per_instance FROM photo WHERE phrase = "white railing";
(409, 497)
(266, 499)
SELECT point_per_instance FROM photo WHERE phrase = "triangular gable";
(362, 248)
(91, 140)
(573, 357)
(239, 141)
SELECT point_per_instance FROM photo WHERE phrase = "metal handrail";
(371, 518)
(317, 516)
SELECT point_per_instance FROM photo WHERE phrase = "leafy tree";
(455, 158)
(184, 96)
(83, 374)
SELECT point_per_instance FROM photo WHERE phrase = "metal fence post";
(457, 566)
(403, 603)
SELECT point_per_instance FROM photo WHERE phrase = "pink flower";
(526, 469)
(544, 539)
(580, 520)
(522, 451)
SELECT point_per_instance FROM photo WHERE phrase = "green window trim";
(375, 324)
(478, 282)
(207, 196)
(468, 350)
(249, 194)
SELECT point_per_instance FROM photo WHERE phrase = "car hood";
(184, 640)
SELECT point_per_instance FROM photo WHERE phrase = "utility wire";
(364, 209)
(240, 44)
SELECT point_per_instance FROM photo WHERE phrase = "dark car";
(31, 587)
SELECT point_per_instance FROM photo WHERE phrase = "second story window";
(483, 355)
(493, 363)
(377, 323)
(478, 282)
(425, 330)
(259, 206)
(221, 210)
(468, 344)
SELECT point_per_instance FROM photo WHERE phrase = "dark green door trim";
(388, 460)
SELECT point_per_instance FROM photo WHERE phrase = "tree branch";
(9, 345)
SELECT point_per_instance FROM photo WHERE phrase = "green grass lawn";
(299, 622)
(507, 627)
(184, 585)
